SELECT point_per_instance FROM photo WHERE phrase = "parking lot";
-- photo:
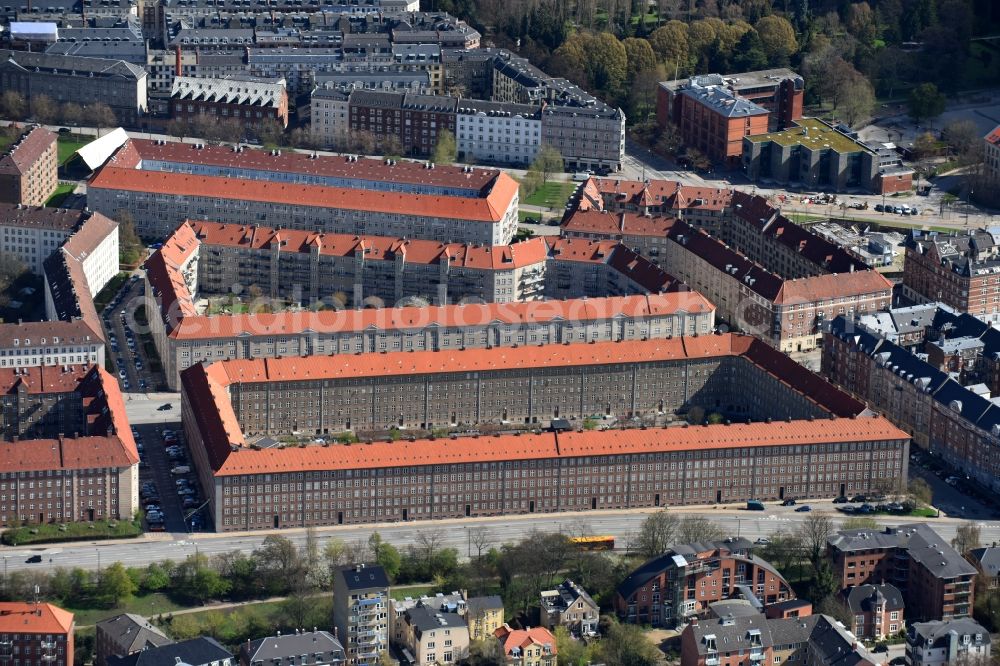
(170, 496)
(129, 359)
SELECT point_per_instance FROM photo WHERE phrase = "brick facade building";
(680, 584)
(809, 280)
(935, 580)
(231, 409)
(68, 453)
(248, 101)
(29, 169)
(877, 609)
(34, 634)
(207, 259)
(961, 270)
(714, 112)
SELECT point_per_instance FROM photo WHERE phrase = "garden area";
(552, 194)
(67, 144)
(53, 533)
(63, 190)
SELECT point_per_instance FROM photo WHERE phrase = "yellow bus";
(593, 542)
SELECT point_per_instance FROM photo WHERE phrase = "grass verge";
(109, 291)
(51, 533)
(62, 191)
(552, 194)
(67, 144)
(146, 605)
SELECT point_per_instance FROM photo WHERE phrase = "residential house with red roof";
(534, 646)
(36, 634)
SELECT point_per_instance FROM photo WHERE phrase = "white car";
(180, 469)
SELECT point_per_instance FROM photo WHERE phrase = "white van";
(581, 176)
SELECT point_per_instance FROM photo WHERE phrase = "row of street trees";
(42, 109)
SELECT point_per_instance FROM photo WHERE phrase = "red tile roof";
(490, 209)
(208, 387)
(28, 618)
(42, 379)
(411, 172)
(994, 136)
(26, 151)
(617, 225)
(525, 638)
(376, 248)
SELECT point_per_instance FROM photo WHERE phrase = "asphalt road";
(455, 533)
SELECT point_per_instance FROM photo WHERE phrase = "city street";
(455, 533)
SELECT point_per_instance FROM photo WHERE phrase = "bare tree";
(100, 116)
(70, 113)
(479, 537)
(657, 534)
(12, 105)
(816, 531)
(692, 529)
(968, 537)
(43, 109)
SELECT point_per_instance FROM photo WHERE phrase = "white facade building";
(498, 133)
(329, 116)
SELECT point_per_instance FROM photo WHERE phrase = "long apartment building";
(962, 425)
(960, 269)
(28, 168)
(765, 274)
(161, 184)
(67, 452)
(784, 419)
(477, 296)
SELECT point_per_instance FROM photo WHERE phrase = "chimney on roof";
(177, 61)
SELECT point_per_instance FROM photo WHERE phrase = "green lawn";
(924, 512)
(415, 592)
(49, 533)
(147, 605)
(552, 194)
(109, 291)
(69, 144)
(62, 191)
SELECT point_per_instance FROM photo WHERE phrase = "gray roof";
(564, 596)
(723, 101)
(835, 645)
(861, 598)
(132, 632)
(424, 618)
(988, 559)
(923, 545)
(479, 604)
(132, 52)
(75, 65)
(364, 577)
(245, 90)
(318, 647)
(742, 81)
(376, 99)
(733, 608)
(940, 631)
(449, 602)
(475, 106)
(196, 652)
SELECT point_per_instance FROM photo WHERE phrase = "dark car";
(65, 130)
(164, 407)
(803, 508)
(788, 502)
(840, 500)
(34, 559)
(879, 208)
(859, 498)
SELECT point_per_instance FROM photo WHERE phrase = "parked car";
(840, 500)
(803, 509)
(164, 407)
(788, 502)
(180, 469)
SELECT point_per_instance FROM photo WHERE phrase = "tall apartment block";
(28, 169)
(361, 611)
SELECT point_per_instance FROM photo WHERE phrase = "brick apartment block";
(232, 409)
(28, 170)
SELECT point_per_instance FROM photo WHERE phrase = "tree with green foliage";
(571, 651)
(627, 645)
(824, 583)
(639, 56)
(385, 554)
(926, 102)
(446, 149)
(115, 586)
(670, 44)
(777, 37)
(749, 54)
